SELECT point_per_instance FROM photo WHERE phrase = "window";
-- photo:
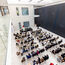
(20, 25)
(17, 11)
(4, 10)
(26, 24)
(0, 12)
(25, 11)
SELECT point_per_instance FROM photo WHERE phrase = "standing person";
(12, 28)
(34, 62)
(39, 60)
(51, 64)
(37, 52)
(23, 28)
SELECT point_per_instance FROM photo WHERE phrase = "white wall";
(4, 27)
(3, 2)
(21, 18)
(4, 20)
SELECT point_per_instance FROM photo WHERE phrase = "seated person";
(21, 30)
(40, 36)
(39, 60)
(21, 42)
(41, 50)
(24, 46)
(59, 41)
(53, 44)
(42, 44)
(62, 45)
(32, 43)
(23, 59)
(17, 53)
(64, 59)
(28, 29)
(15, 38)
(33, 53)
(43, 39)
(48, 36)
(37, 52)
(21, 54)
(51, 40)
(32, 39)
(59, 59)
(16, 35)
(32, 47)
(28, 56)
(48, 46)
(42, 60)
(34, 62)
(25, 41)
(36, 46)
(25, 50)
(63, 55)
(29, 40)
(18, 40)
(17, 44)
(46, 57)
(56, 51)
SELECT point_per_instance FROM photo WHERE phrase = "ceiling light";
(40, 1)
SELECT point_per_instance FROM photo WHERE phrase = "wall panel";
(52, 18)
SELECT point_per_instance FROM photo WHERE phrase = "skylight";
(32, 1)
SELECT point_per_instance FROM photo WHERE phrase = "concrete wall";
(21, 18)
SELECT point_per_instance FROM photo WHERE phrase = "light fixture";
(40, 1)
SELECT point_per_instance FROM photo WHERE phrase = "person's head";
(14, 34)
(20, 33)
(15, 37)
(34, 61)
(17, 33)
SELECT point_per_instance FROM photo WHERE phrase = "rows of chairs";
(25, 41)
(41, 60)
(53, 44)
(56, 51)
(61, 58)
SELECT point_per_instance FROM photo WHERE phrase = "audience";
(25, 40)
(56, 50)
(40, 60)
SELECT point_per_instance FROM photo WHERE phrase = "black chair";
(63, 55)
(59, 41)
(51, 40)
(46, 57)
(56, 51)
(42, 50)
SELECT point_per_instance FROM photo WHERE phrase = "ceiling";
(35, 2)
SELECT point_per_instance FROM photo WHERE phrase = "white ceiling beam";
(30, 0)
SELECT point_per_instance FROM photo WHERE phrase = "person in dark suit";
(39, 60)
